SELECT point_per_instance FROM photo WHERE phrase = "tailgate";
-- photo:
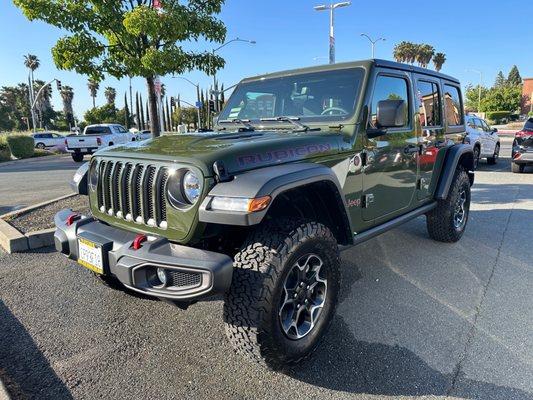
(82, 142)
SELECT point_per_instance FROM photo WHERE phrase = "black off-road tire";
(517, 168)
(494, 159)
(440, 221)
(251, 307)
(77, 157)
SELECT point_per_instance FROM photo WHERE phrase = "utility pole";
(372, 42)
(331, 8)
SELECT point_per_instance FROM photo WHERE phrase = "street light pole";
(372, 42)
(331, 8)
(479, 87)
(197, 86)
(215, 89)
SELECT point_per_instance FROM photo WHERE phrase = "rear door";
(430, 127)
(389, 177)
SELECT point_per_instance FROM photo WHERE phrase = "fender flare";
(79, 181)
(458, 154)
(270, 181)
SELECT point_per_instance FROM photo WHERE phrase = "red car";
(522, 152)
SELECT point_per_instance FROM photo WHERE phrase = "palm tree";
(67, 95)
(110, 95)
(424, 54)
(438, 61)
(32, 63)
(93, 86)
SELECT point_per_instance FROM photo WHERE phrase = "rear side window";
(389, 88)
(453, 105)
(429, 107)
(528, 126)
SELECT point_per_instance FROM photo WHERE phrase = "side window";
(486, 128)
(453, 105)
(48, 136)
(470, 122)
(429, 107)
(389, 88)
(479, 125)
(38, 136)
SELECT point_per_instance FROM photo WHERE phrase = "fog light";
(162, 276)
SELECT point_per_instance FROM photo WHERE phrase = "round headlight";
(93, 175)
(192, 187)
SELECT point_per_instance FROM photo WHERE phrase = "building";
(527, 94)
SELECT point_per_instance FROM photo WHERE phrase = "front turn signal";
(259, 204)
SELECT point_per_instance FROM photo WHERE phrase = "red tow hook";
(138, 241)
(72, 217)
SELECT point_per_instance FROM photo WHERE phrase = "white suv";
(484, 140)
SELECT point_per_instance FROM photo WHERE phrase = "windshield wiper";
(293, 120)
(243, 122)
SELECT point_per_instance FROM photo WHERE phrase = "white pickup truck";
(96, 137)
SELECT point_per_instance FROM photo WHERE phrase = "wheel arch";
(312, 191)
(457, 155)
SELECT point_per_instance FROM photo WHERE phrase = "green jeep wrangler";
(302, 164)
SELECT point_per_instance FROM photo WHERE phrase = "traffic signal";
(58, 85)
(212, 105)
(172, 102)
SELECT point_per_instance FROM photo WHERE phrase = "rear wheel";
(284, 292)
(494, 159)
(78, 157)
(517, 168)
(447, 222)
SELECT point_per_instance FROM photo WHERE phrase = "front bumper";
(195, 273)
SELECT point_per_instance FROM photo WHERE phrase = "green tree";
(438, 61)
(110, 95)
(500, 80)
(472, 97)
(507, 98)
(130, 38)
(127, 114)
(102, 115)
(93, 86)
(514, 77)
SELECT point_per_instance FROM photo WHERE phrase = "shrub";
(21, 146)
(530, 114)
(497, 115)
(5, 154)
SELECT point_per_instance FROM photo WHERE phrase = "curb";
(14, 241)
(28, 209)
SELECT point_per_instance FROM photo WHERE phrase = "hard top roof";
(367, 64)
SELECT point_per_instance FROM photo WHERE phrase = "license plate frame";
(91, 255)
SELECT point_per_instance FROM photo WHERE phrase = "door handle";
(411, 149)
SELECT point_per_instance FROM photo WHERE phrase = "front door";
(390, 171)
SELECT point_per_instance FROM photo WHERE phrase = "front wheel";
(447, 221)
(40, 146)
(284, 292)
(494, 159)
(77, 157)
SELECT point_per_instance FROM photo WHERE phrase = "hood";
(239, 151)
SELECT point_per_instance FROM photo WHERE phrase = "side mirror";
(494, 130)
(391, 113)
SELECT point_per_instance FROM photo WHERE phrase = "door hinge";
(367, 200)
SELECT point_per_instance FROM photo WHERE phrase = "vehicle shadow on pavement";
(24, 370)
(346, 364)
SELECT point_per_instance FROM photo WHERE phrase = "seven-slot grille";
(133, 191)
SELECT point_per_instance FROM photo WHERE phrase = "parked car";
(46, 140)
(301, 164)
(144, 135)
(484, 140)
(522, 151)
(96, 137)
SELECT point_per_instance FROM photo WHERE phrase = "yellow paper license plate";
(90, 255)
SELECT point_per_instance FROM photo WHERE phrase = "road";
(32, 181)
(417, 319)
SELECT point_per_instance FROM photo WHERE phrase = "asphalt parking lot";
(27, 182)
(417, 319)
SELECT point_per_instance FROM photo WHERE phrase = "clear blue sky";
(487, 36)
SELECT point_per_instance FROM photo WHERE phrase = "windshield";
(528, 126)
(317, 96)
